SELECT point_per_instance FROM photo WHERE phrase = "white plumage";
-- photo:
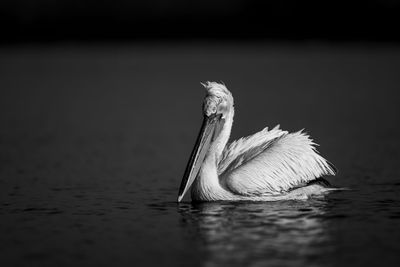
(269, 165)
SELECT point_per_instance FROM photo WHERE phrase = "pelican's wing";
(271, 162)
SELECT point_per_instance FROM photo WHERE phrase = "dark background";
(46, 20)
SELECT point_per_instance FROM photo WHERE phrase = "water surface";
(94, 141)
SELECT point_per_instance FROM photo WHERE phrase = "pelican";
(269, 165)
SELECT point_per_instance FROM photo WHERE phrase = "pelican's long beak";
(199, 153)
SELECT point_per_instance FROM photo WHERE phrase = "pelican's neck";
(207, 185)
(221, 139)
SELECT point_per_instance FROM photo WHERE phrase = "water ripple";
(244, 233)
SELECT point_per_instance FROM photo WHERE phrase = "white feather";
(271, 162)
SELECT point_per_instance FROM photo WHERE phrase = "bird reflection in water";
(288, 233)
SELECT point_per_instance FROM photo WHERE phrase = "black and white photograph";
(200, 133)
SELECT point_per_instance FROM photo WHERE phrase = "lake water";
(94, 141)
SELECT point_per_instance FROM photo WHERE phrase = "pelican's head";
(217, 105)
(218, 100)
